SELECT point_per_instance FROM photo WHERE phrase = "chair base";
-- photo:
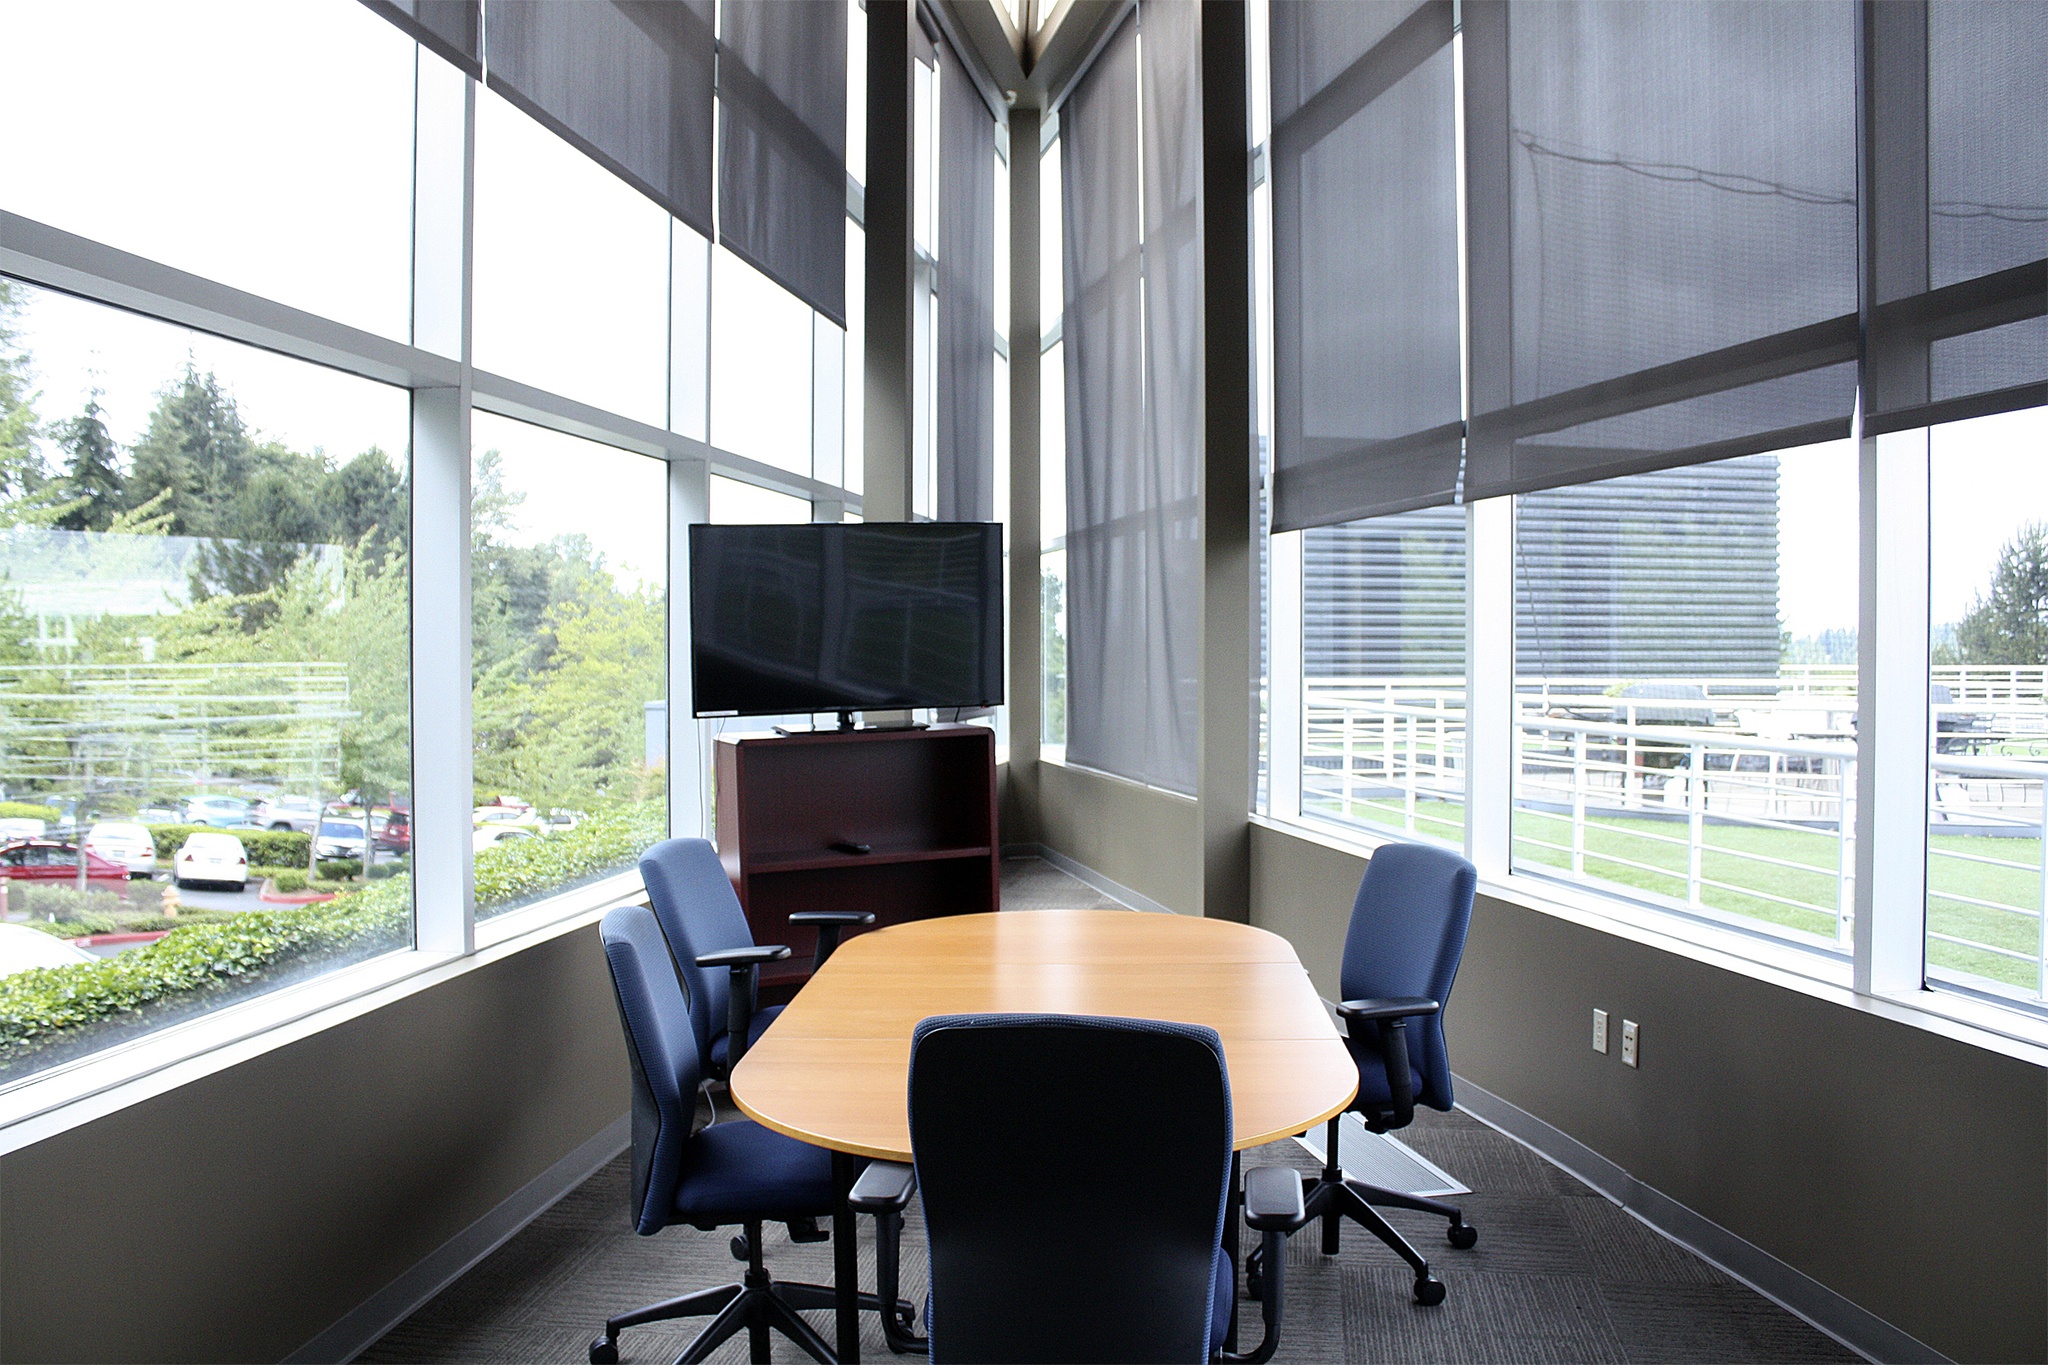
(1333, 1197)
(760, 1304)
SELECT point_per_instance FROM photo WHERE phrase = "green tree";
(20, 465)
(2009, 625)
(366, 504)
(92, 469)
(198, 447)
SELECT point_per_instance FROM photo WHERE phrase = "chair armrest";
(829, 923)
(884, 1187)
(751, 956)
(1399, 1007)
(1272, 1199)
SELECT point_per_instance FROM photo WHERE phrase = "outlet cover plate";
(1630, 1042)
(1600, 1031)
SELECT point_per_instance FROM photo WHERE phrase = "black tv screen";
(884, 617)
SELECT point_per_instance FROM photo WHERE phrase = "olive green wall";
(237, 1217)
(1139, 837)
(1904, 1170)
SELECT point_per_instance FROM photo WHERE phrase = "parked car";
(47, 860)
(160, 815)
(394, 834)
(120, 841)
(301, 813)
(339, 837)
(493, 836)
(207, 856)
(517, 816)
(23, 948)
(224, 812)
(15, 827)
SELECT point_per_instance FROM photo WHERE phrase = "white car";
(211, 857)
(14, 827)
(492, 836)
(301, 813)
(339, 837)
(119, 841)
(22, 948)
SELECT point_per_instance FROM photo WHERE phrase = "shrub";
(29, 810)
(268, 847)
(288, 883)
(133, 920)
(55, 900)
(39, 1007)
(340, 869)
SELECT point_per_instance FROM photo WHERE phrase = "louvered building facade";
(1669, 574)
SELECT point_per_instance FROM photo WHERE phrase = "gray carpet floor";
(1560, 1274)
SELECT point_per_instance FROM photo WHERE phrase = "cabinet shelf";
(880, 857)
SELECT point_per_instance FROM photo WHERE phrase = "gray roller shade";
(450, 29)
(1366, 318)
(966, 444)
(1663, 234)
(1133, 336)
(1957, 174)
(782, 144)
(628, 82)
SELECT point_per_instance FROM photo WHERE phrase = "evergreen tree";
(2010, 626)
(198, 447)
(21, 467)
(366, 504)
(92, 471)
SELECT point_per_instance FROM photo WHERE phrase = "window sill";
(1820, 976)
(130, 1072)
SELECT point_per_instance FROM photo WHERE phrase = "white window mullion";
(1489, 683)
(689, 503)
(1892, 742)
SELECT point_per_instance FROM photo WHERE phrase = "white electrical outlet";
(1599, 1030)
(1630, 1042)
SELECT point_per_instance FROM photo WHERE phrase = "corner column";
(891, 267)
(1027, 688)
(1229, 669)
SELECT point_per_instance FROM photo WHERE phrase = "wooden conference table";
(833, 1070)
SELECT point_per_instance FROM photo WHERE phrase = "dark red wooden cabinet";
(924, 801)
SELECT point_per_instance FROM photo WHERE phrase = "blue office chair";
(1400, 957)
(1042, 1246)
(714, 947)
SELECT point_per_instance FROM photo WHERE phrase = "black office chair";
(714, 946)
(736, 1172)
(1400, 957)
(1042, 1246)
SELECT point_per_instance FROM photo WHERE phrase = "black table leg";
(846, 1256)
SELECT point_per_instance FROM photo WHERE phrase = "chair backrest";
(694, 901)
(1073, 1171)
(663, 1050)
(1406, 937)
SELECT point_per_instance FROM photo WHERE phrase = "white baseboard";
(1116, 891)
(1785, 1285)
(362, 1325)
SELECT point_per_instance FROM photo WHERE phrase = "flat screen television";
(888, 616)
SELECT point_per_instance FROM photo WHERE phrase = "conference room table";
(833, 1070)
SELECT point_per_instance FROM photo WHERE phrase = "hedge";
(39, 1008)
(269, 847)
(29, 810)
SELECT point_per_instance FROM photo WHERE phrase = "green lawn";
(1811, 878)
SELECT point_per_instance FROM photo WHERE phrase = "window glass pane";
(1685, 705)
(266, 146)
(1383, 673)
(569, 660)
(1051, 259)
(689, 385)
(760, 366)
(743, 504)
(1988, 600)
(856, 95)
(855, 392)
(204, 593)
(1052, 646)
(572, 279)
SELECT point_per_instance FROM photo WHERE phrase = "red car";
(46, 860)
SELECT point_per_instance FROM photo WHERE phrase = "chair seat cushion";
(756, 1026)
(739, 1171)
(1221, 1299)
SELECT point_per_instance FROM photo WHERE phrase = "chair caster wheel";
(1429, 1291)
(739, 1248)
(1463, 1236)
(604, 1351)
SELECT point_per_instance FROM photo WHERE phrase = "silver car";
(300, 813)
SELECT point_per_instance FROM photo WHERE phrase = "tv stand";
(847, 727)
(922, 802)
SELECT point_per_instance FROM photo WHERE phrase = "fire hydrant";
(171, 902)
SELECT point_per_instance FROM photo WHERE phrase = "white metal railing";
(1752, 814)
